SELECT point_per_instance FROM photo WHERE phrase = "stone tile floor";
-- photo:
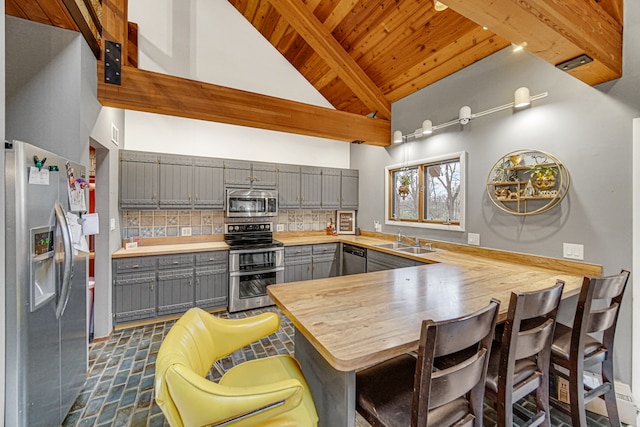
(119, 389)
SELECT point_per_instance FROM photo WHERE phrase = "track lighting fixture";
(521, 98)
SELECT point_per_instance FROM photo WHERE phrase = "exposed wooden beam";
(556, 30)
(163, 94)
(325, 45)
(115, 15)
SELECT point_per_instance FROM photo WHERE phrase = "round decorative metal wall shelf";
(527, 182)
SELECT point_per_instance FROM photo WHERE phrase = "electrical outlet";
(112, 224)
(279, 227)
(185, 231)
(473, 239)
(573, 251)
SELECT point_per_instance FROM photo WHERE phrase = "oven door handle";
(254, 272)
(259, 251)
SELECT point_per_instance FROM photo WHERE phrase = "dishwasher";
(354, 260)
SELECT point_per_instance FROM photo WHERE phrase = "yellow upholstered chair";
(270, 391)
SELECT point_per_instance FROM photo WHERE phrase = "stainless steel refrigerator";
(46, 285)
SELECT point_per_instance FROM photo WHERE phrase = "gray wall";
(50, 88)
(588, 128)
(51, 102)
(2, 224)
(106, 196)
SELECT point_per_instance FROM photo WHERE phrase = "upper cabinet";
(349, 189)
(176, 182)
(311, 187)
(138, 180)
(289, 187)
(165, 181)
(237, 173)
(241, 174)
(331, 188)
(207, 183)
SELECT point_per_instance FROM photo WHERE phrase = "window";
(427, 193)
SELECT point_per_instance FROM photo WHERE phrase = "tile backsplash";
(143, 223)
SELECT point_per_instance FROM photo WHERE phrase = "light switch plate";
(573, 251)
(185, 231)
(473, 239)
(112, 224)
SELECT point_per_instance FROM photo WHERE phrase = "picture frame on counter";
(346, 222)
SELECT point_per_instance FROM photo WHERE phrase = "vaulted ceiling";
(363, 55)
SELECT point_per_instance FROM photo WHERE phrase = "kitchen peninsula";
(347, 323)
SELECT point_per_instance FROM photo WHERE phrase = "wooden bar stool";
(574, 348)
(519, 364)
(406, 391)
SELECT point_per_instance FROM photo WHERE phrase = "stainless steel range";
(255, 262)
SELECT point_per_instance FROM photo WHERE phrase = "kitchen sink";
(417, 250)
(393, 245)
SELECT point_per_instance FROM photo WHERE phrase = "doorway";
(100, 243)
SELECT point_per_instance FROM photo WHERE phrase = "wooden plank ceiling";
(363, 55)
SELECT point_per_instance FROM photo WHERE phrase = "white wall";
(210, 41)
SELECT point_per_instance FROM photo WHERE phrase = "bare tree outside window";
(442, 201)
(428, 192)
(405, 206)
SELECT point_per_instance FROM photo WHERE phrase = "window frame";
(421, 164)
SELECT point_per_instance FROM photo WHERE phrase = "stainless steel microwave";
(251, 203)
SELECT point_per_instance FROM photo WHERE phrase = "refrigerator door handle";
(68, 259)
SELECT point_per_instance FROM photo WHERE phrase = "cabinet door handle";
(189, 282)
(197, 282)
(176, 262)
(135, 266)
(189, 196)
(196, 196)
(154, 196)
(152, 286)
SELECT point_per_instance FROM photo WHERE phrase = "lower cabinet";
(378, 261)
(310, 262)
(147, 287)
(325, 260)
(212, 279)
(297, 263)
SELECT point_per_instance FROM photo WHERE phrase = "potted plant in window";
(543, 177)
(404, 189)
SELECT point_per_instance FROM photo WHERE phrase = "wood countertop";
(358, 320)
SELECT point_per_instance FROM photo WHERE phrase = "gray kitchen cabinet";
(325, 260)
(289, 187)
(298, 263)
(378, 261)
(175, 284)
(311, 187)
(212, 279)
(349, 189)
(237, 174)
(175, 291)
(138, 180)
(147, 287)
(264, 175)
(331, 188)
(208, 183)
(134, 289)
(309, 262)
(176, 182)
